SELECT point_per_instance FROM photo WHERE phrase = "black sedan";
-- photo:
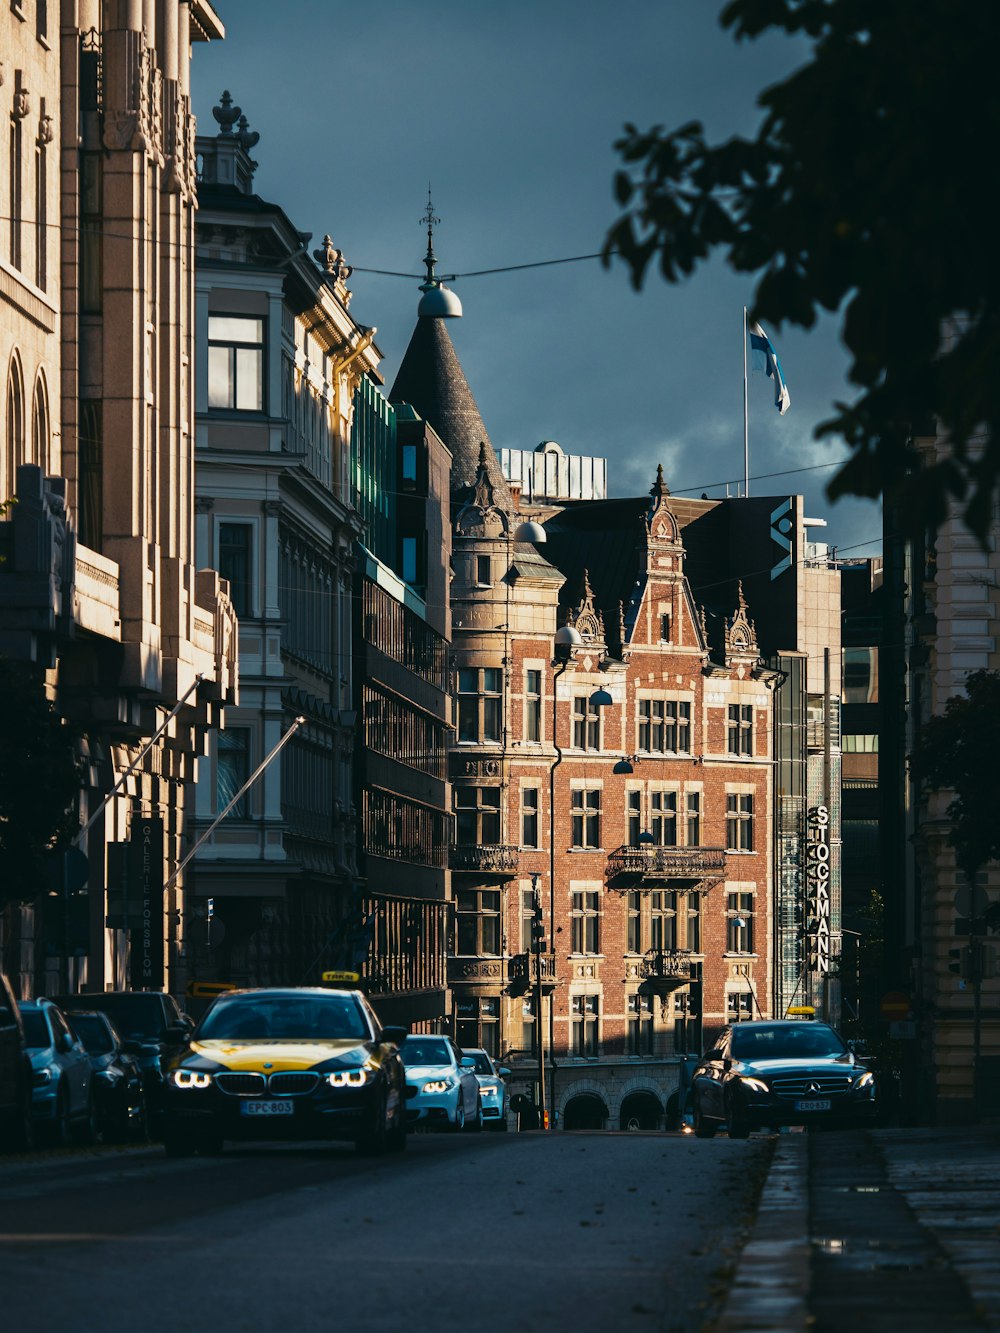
(787, 1072)
(287, 1064)
(121, 1104)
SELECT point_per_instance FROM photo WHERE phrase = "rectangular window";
(739, 921)
(585, 921)
(232, 769)
(477, 816)
(663, 921)
(528, 1026)
(639, 1010)
(664, 726)
(478, 1024)
(739, 823)
(739, 729)
(15, 202)
(408, 560)
(665, 627)
(694, 818)
(236, 363)
(408, 466)
(477, 913)
(586, 724)
(694, 923)
(478, 703)
(483, 570)
(584, 1016)
(235, 542)
(42, 19)
(633, 942)
(739, 1007)
(633, 805)
(41, 216)
(532, 705)
(91, 235)
(663, 818)
(527, 916)
(586, 818)
(529, 816)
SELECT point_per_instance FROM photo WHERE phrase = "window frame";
(585, 922)
(740, 904)
(238, 772)
(479, 711)
(531, 813)
(234, 375)
(485, 920)
(739, 822)
(483, 812)
(585, 818)
(533, 705)
(662, 719)
(585, 1018)
(740, 730)
(586, 724)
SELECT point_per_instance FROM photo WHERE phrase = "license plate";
(267, 1108)
(818, 1104)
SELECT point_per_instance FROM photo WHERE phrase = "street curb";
(770, 1289)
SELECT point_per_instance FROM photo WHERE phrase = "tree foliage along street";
(39, 783)
(958, 752)
(864, 192)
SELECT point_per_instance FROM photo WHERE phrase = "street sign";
(971, 900)
(894, 1005)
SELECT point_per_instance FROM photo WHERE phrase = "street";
(497, 1232)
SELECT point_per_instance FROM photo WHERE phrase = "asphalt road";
(486, 1232)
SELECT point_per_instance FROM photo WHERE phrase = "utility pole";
(537, 949)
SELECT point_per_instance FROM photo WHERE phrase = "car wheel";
(703, 1129)
(459, 1122)
(374, 1141)
(737, 1120)
(177, 1142)
(476, 1125)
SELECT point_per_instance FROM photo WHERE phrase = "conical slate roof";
(432, 381)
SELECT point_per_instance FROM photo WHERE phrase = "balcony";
(679, 868)
(473, 974)
(492, 862)
(664, 970)
(524, 972)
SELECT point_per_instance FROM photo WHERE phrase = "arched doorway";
(585, 1111)
(641, 1110)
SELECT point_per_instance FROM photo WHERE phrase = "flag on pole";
(760, 342)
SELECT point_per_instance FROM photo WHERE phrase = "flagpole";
(746, 414)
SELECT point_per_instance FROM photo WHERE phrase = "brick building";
(611, 772)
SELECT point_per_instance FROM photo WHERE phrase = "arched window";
(40, 427)
(14, 452)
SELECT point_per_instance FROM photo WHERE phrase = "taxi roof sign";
(352, 977)
(204, 990)
(801, 1011)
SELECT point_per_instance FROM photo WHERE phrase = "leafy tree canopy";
(39, 782)
(958, 752)
(864, 192)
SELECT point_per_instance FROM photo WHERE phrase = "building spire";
(430, 259)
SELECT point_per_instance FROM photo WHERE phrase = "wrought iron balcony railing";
(496, 860)
(687, 867)
(666, 965)
(524, 970)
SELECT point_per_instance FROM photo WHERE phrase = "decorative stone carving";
(119, 129)
(741, 637)
(46, 130)
(226, 114)
(22, 103)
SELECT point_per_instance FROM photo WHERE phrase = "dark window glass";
(233, 769)
(235, 564)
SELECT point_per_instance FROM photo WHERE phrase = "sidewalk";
(887, 1229)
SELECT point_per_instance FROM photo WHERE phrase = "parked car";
(287, 1064)
(121, 1104)
(151, 1026)
(786, 1072)
(492, 1089)
(62, 1096)
(16, 1123)
(442, 1090)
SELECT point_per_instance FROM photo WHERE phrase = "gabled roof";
(432, 381)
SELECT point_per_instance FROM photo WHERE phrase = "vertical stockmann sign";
(145, 887)
(818, 886)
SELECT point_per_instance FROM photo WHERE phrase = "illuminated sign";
(818, 886)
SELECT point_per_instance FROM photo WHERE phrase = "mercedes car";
(287, 1064)
(786, 1072)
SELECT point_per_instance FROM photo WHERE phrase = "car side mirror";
(468, 1062)
(715, 1054)
(131, 1047)
(396, 1035)
(727, 1064)
(503, 1071)
(177, 1032)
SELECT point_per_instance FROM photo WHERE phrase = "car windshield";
(93, 1031)
(482, 1060)
(425, 1051)
(284, 1018)
(36, 1030)
(134, 1015)
(785, 1041)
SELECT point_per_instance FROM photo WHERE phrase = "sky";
(510, 111)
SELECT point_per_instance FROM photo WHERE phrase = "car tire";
(737, 1120)
(703, 1129)
(177, 1142)
(476, 1126)
(458, 1124)
(374, 1141)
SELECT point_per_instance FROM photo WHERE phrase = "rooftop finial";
(430, 259)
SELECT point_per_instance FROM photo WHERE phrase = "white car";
(492, 1089)
(442, 1090)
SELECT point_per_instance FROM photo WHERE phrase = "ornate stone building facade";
(279, 360)
(100, 593)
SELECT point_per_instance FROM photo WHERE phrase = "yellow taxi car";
(295, 1063)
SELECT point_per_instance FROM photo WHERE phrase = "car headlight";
(190, 1078)
(865, 1081)
(350, 1078)
(754, 1084)
(439, 1085)
(488, 1090)
(40, 1077)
